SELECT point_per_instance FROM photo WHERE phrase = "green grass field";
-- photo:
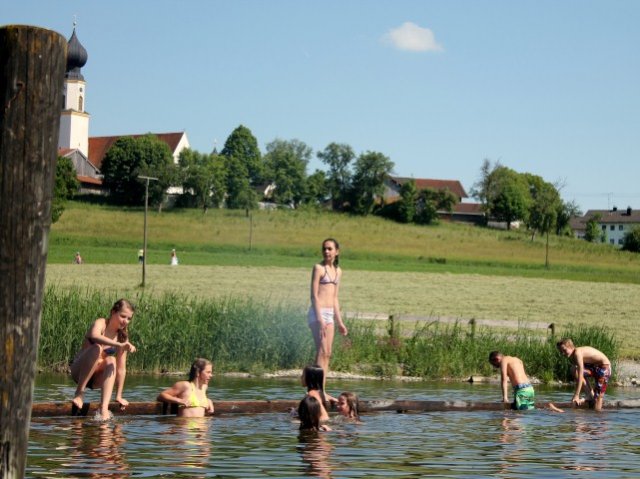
(452, 271)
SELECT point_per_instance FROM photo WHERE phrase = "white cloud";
(413, 38)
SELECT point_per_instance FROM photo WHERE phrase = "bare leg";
(108, 379)
(599, 401)
(82, 369)
(323, 347)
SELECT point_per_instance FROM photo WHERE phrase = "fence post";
(472, 323)
(32, 66)
(552, 328)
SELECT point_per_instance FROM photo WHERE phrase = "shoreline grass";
(251, 336)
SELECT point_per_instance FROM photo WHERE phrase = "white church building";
(74, 141)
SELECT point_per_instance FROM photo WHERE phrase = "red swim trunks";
(601, 377)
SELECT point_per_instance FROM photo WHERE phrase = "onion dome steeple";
(76, 57)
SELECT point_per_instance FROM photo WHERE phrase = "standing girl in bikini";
(324, 312)
(102, 360)
(191, 395)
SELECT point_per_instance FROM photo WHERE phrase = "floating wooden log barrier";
(52, 409)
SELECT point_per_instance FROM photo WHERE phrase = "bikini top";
(326, 279)
(193, 399)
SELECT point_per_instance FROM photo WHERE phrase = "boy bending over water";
(511, 367)
(587, 362)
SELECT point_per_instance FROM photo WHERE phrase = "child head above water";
(348, 405)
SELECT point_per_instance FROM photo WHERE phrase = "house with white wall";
(614, 224)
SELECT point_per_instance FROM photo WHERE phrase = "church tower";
(74, 121)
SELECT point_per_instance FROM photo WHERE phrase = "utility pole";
(144, 241)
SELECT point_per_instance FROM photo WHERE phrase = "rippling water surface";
(454, 444)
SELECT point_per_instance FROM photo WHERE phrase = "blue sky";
(546, 87)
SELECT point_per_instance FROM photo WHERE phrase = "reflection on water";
(504, 444)
(316, 454)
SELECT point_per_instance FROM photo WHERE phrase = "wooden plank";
(32, 65)
(52, 409)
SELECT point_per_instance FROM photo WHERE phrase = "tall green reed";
(241, 334)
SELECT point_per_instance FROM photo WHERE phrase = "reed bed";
(241, 334)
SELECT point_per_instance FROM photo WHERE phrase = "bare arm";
(503, 381)
(336, 306)
(315, 304)
(579, 363)
(175, 394)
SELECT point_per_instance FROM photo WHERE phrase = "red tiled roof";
(468, 208)
(89, 180)
(99, 145)
(611, 216)
(64, 151)
(454, 186)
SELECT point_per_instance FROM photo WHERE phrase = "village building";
(74, 141)
(465, 212)
(614, 224)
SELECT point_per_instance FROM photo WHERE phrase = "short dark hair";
(493, 355)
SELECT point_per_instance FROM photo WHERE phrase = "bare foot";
(123, 403)
(554, 408)
(78, 401)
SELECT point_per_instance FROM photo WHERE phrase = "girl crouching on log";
(102, 359)
(191, 395)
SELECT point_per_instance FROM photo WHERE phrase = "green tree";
(130, 157)
(593, 232)
(243, 146)
(338, 157)
(371, 170)
(286, 166)
(407, 202)
(508, 196)
(240, 193)
(566, 211)
(431, 201)
(65, 187)
(482, 188)
(203, 178)
(543, 209)
(631, 241)
(317, 190)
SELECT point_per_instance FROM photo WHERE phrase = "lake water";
(387, 445)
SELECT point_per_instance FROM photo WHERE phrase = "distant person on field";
(102, 359)
(324, 312)
(140, 256)
(191, 395)
(174, 258)
(77, 259)
(588, 363)
(512, 368)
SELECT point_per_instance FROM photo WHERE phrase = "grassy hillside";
(292, 239)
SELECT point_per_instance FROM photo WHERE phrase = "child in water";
(310, 413)
(348, 406)
(102, 360)
(191, 395)
(313, 379)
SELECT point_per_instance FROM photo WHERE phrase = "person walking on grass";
(324, 312)
(512, 368)
(588, 363)
(101, 362)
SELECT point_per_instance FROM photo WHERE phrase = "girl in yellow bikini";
(191, 395)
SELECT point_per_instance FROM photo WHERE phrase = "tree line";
(237, 176)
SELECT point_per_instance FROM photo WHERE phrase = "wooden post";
(32, 66)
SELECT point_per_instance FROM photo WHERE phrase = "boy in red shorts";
(588, 363)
